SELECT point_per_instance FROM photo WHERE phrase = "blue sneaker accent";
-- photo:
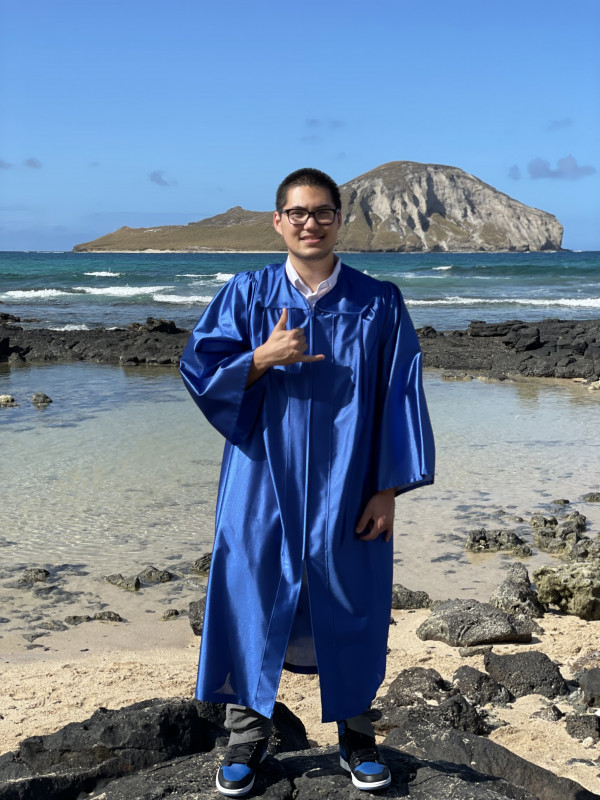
(235, 772)
(236, 775)
(359, 756)
(371, 768)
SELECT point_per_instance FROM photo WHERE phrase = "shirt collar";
(324, 287)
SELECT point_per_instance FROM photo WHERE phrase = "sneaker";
(359, 756)
(238, 770)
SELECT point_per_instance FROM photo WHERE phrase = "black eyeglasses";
(300, 216)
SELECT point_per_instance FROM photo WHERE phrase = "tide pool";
(121, 471)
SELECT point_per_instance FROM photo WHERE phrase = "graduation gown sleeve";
(217, 358)
(404, 444)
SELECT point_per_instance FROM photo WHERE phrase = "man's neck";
(313, 272)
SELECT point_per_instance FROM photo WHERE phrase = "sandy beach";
(99, 664)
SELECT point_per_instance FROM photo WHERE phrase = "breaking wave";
(33, 294)
(120, 291)
(180, 299)
(564, 302)
(104, 274)
(69, 328)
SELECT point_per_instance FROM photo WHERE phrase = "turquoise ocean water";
(121, 469)
(445, 290)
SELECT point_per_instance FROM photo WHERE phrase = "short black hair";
(307, 176)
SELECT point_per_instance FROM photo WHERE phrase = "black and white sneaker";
(359, 756)
(236, 775)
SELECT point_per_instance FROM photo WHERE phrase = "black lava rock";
(590, 685)
(526, 673)
(480, 688)
(464, 623)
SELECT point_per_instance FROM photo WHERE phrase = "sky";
(159, 112)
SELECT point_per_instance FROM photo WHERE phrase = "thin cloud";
(559, 124)
(313, 122)
(5, 164)
(32, 163)
(566, 169)
(515, 173)
(158, 177)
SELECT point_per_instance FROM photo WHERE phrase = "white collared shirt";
(322, 289)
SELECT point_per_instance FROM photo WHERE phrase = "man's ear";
(277, 222)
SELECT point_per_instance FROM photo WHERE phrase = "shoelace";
(240, 753)
(368, 754)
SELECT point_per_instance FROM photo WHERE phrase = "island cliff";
(402, 206)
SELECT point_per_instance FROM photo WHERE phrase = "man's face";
(310, 241)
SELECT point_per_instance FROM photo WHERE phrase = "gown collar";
(283, 295)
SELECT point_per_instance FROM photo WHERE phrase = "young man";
(311, 370)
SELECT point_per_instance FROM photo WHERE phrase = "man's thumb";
(282, 322)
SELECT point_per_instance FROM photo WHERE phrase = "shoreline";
(550, 348)
(209, 251)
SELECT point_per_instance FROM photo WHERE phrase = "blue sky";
(167, 111)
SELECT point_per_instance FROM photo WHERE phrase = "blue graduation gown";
(306, 446)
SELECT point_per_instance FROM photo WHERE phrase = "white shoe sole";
(363, 785)
(235, 792)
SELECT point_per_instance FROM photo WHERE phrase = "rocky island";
(401, 206)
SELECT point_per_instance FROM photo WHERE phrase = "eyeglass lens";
(323, 216)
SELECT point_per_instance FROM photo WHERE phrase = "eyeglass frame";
(310, 214)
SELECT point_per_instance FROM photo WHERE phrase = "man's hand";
(378, 517)
(281, 348)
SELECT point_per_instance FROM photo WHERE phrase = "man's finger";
(282, 321)
(362, 522)
(368, 536)
(306, 359)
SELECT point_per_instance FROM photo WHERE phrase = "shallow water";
(121, 471)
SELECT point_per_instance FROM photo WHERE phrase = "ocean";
(121, 470)
(444, 290)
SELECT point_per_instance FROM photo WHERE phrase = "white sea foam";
(32, 294)
(104, 274)
(70, 328)
(220, 277)
(565, 302)
(441, 269)
(178, 298)
(569, 302)
(121, 291)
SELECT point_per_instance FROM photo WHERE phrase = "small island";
(401, 206)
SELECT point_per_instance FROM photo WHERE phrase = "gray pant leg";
(246, 725)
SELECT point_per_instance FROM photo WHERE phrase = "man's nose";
(311, 222)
